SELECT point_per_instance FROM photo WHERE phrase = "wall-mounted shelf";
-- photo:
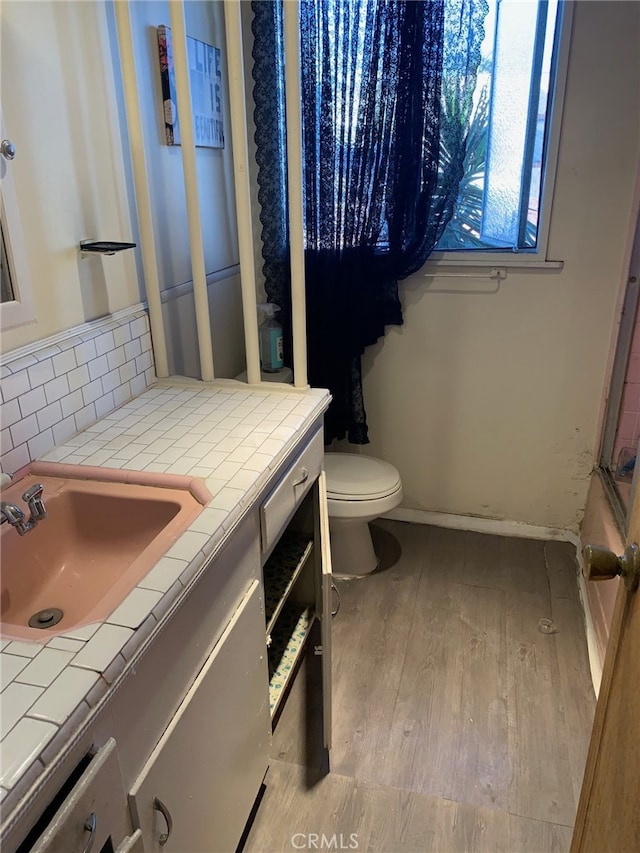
(103, 247)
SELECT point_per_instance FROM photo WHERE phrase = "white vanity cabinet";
(194, 710)
(198, 786)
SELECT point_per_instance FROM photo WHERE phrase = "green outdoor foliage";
(463, 230)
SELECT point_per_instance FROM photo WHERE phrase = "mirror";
(6, 284)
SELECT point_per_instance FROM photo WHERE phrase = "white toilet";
(359, 489)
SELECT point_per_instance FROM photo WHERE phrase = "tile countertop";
(230, 435)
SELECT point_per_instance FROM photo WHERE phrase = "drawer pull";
(304, 476)
(164, 811)
(90, 827)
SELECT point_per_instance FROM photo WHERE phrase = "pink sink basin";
(98, 541)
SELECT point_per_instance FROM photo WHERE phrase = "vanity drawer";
(286, 496)
(94, 812)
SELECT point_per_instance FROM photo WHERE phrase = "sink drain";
(46, 618)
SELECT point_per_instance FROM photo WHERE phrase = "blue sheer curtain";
(378, 195)
(371, 80)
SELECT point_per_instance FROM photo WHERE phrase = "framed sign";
(205, 77)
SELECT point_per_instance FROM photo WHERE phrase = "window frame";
(21, 310)
(538, 257)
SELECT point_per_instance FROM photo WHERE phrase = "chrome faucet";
(15, 516)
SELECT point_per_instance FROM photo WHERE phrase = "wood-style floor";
(458, 725)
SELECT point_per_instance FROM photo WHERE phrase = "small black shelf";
(104, 247)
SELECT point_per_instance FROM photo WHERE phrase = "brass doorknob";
(602, 564)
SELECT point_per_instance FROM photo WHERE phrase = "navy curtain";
(378, 195)
(371, 80)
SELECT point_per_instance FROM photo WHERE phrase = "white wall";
(488, 404)
(58, 101)
(204, 21)
(64, 109)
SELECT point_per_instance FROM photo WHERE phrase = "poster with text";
(205, 78)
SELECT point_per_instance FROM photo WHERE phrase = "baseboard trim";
(503, 527)
(497, 526)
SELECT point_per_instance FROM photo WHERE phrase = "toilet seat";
(351, 477)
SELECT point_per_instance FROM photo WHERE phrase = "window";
(503, 200)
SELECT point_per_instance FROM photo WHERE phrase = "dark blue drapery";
(371, 81)
(377, 196)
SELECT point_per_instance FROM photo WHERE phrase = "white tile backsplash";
(32, 401)
(50, 415)
(64, 362)
(40, 373)
(64, 430)
(60, 388)
(41, 444)
(15, 385)
(105, 343)
(78, 377)
(10, 413)
(85, 352)
(6, 444)
(24, 430)
(99, 366)
(57, 388)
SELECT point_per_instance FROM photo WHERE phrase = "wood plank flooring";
(458, 724)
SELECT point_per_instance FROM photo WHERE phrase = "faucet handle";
(34, 492)
(33, 498)
(12, 513)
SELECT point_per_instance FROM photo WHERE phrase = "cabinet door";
(197, 789)
(325, 615)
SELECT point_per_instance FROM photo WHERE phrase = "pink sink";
(98, 541)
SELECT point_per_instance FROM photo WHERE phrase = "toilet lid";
(353, 477)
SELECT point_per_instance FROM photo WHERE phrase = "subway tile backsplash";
(64, 384)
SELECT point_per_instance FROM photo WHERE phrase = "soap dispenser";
(270, 338)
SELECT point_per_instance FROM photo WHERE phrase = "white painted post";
(237, 98)
(294, 173)
(187, 141)
(141, 186)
